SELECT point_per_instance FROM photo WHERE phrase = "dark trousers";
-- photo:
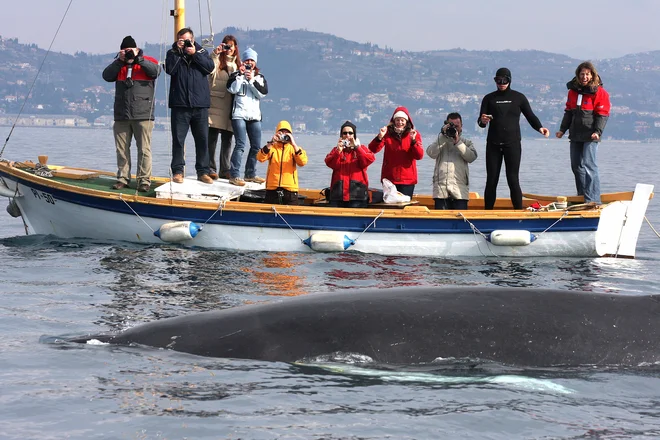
(451, 204)
(197, 120)
(225, 150)
(511, 154)
(281, 196)
(407, 190)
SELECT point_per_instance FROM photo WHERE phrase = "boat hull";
(55, 209)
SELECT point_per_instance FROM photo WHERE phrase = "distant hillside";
(320, 80)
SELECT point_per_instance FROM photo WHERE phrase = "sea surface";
(52, 287)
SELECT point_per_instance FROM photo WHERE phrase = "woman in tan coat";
(226, 60)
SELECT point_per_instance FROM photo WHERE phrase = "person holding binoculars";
(284, 156)
(349, 187)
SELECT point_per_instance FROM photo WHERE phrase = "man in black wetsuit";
(502, 109)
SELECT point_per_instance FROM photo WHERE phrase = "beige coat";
(221, 99)
(451, 177)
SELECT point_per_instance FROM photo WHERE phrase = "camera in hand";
(187, 43)
(248, 67)
(225, 46)
(345, 144)
(450, 130)
(285, 138)
(129, 54)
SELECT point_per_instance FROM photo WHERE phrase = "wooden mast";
(179, 14)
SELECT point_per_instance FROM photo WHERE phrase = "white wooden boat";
(80, 203)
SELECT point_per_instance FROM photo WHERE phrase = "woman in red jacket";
(403, 147)
(349, 161)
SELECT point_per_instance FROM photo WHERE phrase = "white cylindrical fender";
(176, 232)
(323, 241)
(505, 237)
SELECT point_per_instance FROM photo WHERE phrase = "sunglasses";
(501, 80)
(347, 132)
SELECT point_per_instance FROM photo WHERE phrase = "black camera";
(129, 54)
(248, 67)
(187, 43)
(450, 130)
(225, 46)
(285, 138)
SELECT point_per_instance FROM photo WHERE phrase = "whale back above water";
(513, 326)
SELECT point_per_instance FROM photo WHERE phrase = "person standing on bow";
(284, 156)
(188, 64)
(585, 116)
(226, 60)
(451, 176)
(248, 86)
(134, 75)
(349, 187)
(501, 109)
(403, 148)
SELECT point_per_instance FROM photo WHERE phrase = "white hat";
(400, 114)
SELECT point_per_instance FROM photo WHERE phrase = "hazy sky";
(586, 30)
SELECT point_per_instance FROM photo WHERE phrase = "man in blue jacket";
(188, 64)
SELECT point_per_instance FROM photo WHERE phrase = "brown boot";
(204, 178)
(213, 176)
(177, 178)
(237, 181)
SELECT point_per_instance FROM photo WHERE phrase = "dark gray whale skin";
(513, 326)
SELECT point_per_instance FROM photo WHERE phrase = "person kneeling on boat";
(284, 156)
(349, 187)
(452, 153)
(134, 75)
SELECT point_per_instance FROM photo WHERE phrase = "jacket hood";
(284, 125)
(404, 110)
(575, 85)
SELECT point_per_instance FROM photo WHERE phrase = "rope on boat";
(29, 93)
(548, 228)
(368, 226)
(651, 226)
(476, 231)
(277, 214)
(138, 215)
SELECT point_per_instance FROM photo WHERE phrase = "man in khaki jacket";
(452, 153)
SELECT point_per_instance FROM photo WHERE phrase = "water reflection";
(279, 274)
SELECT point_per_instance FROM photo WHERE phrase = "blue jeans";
(242, 130)
(197, 119)
(585, 169)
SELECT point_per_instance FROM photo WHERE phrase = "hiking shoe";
(255, 179)
(204, 178)
(177, 178)
(144, 187)
(119, 185)
(237, 181)
(213, 176)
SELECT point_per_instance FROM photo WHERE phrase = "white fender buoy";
(176, 232)
(328, 241)
(513, 237)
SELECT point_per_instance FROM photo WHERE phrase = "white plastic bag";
(391, 195)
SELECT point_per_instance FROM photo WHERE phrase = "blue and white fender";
(176, 232)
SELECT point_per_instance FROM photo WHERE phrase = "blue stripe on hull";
(314, 222)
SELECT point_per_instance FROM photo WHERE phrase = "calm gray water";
(52, 287)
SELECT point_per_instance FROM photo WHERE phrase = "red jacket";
(349, 173)
(401, 152)
(587, 111)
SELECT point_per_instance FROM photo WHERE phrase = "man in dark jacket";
(188, 63)
(134, 75)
